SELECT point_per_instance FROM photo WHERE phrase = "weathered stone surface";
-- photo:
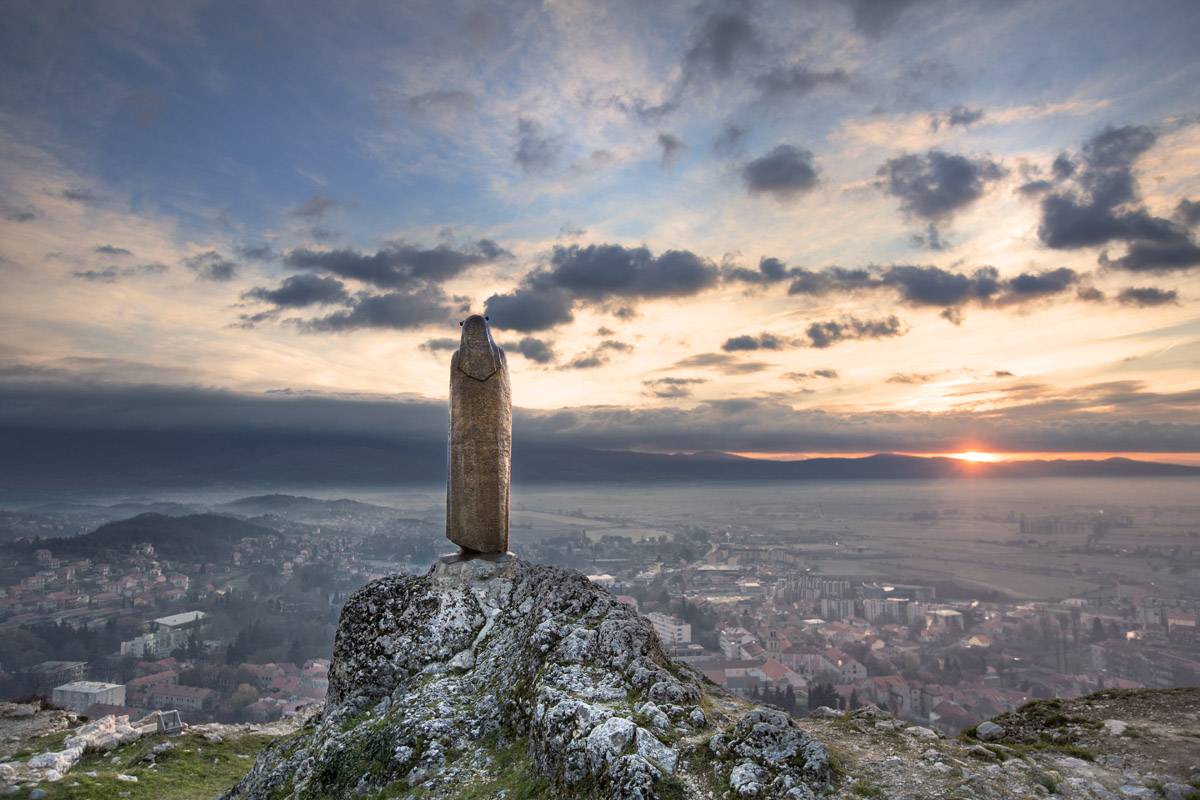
(989, 731)
(431, 674)
(480, 443)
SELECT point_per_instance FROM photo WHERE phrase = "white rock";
(920, 732)
(609, 740)
(1115, 727)
(825, 712)
(127, 778)
(654, 751)
(989, 731)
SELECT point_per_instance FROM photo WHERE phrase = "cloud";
(1188, 212)
(956, 117)
(729, 140)
(770, 270)
(1090, 294)
(443, 104)
(935, 185)
(911, 377)
(535, 150)
(598, 355)
(82, 196)
(599, 274)
(398, 265)
(764, 341)
(672, 148)
(314, 208)
(671, 388)
(1143, 296)
(874, 18)
(784, 172)
(536, 350)
(300, 291)
(1096, 203)
(826, 334)
(722, 362)
(530, 308)
(110, 250)
(211, 266)
(795, 80)
(113, 274)
(438, 345)
(255, 252)
(399, 310)
(916, 285)
(719, 44)
(26, 213)
(828, 374)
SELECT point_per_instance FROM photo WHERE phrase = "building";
(673, 631)
(48, 674)
(184, 698)
(78, 695)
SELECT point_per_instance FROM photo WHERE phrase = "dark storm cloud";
(958, 116)
(300, 291)
(764, 341)
(784, 82)
(392, 310)
(935, 185)
(536, 350)
(826, 334)
(1096, 203)
(255, 252)
(211, 266)
(784, 173)
(671, 388)
(26, 213)
(1143, 296)
(672, 148)
(535, 150)
(729, 140)
(598, 274)
(110, 250)
(113, 274)
(399, 264)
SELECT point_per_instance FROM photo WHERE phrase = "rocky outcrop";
(495, 673)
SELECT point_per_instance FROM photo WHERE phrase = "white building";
(77, 696)
(673, 631)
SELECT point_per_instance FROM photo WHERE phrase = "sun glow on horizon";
(977, 456)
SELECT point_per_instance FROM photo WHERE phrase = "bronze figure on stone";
(479, 460)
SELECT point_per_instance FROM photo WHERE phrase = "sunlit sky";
(836, 226)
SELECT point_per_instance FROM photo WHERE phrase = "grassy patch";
(40, 744)
(864, 789)
(1047, 782)
(195, 768)
(511, 770)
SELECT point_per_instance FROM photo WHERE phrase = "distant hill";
(125, 460)
(195, 537)
(286, 505)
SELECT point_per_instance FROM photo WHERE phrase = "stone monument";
(480, 448)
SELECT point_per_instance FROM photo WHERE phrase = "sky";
(779, 228)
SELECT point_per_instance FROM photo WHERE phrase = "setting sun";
(977, 456)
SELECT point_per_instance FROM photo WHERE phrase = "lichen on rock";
(434, 676)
